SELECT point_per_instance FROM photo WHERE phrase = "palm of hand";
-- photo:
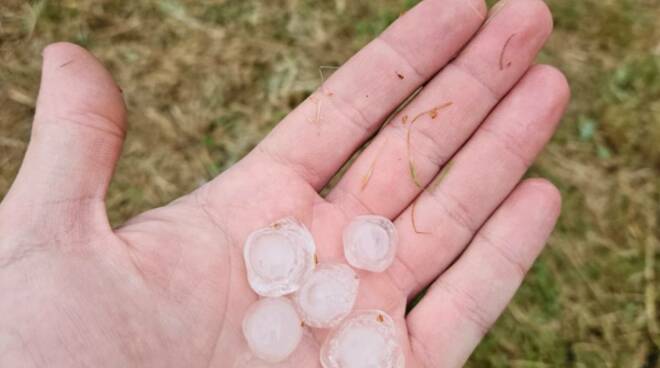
(170, 284)
(169, 287)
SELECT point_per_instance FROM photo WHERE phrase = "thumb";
(76, 139)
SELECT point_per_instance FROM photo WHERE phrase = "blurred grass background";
(205, 81)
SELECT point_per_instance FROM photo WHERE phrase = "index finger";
(317, 138)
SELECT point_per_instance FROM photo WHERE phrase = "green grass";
(205, 81)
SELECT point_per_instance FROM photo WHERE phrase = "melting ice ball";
(328, 295)
(279, 258)
(366, 339)
(370, 243)
(272, 329)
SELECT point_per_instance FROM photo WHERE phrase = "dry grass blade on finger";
(505, 64)
(432, 186)
(413, 209)
(372, 167)
(432, 113)
(404, 119)
(319, 100)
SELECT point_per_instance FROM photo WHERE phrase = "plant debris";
(367, 176)
(67, 63)
(413, 172)
(443, 173)
(432, 113)
(318, 100)
(504, 64)
(317, 115)
(414, 222)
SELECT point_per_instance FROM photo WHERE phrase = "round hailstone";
(272, 329)
(279, 258)
(366, 339)
(328, 295)
(370, 243)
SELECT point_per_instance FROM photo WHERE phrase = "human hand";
(168, 288)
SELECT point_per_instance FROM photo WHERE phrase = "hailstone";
(272, 329)
(366, 339)
(328, 295)
(370, 243)
(279, 258)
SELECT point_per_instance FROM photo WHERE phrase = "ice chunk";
(370, 243)
(279, 258)
(272, 329)
(366, 339)
(328, 295)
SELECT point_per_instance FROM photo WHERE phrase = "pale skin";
(168, 288)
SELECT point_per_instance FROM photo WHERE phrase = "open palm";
(168, 288)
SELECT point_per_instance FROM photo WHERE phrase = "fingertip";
(548, 85)
(75, 82)
(555, 80)
(434, 31)
(57, 49)
(544, 194)
(543, 14)
(537, 11)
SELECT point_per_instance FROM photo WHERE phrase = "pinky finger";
(464, 302)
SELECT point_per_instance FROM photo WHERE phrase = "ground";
(205, 81)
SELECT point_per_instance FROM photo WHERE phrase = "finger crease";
(467, 305)
(457, 212)
(307, 172)
(464, 69)
(508, 143)
(425, 352)
(432, 154)
(202, 204)
(345, 194)
(504, 252)
(357, 119)
(409, 271)
(402, 56)
(100, 125)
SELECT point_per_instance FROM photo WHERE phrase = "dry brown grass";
(204, 81)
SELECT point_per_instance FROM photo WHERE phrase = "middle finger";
(421, 139)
